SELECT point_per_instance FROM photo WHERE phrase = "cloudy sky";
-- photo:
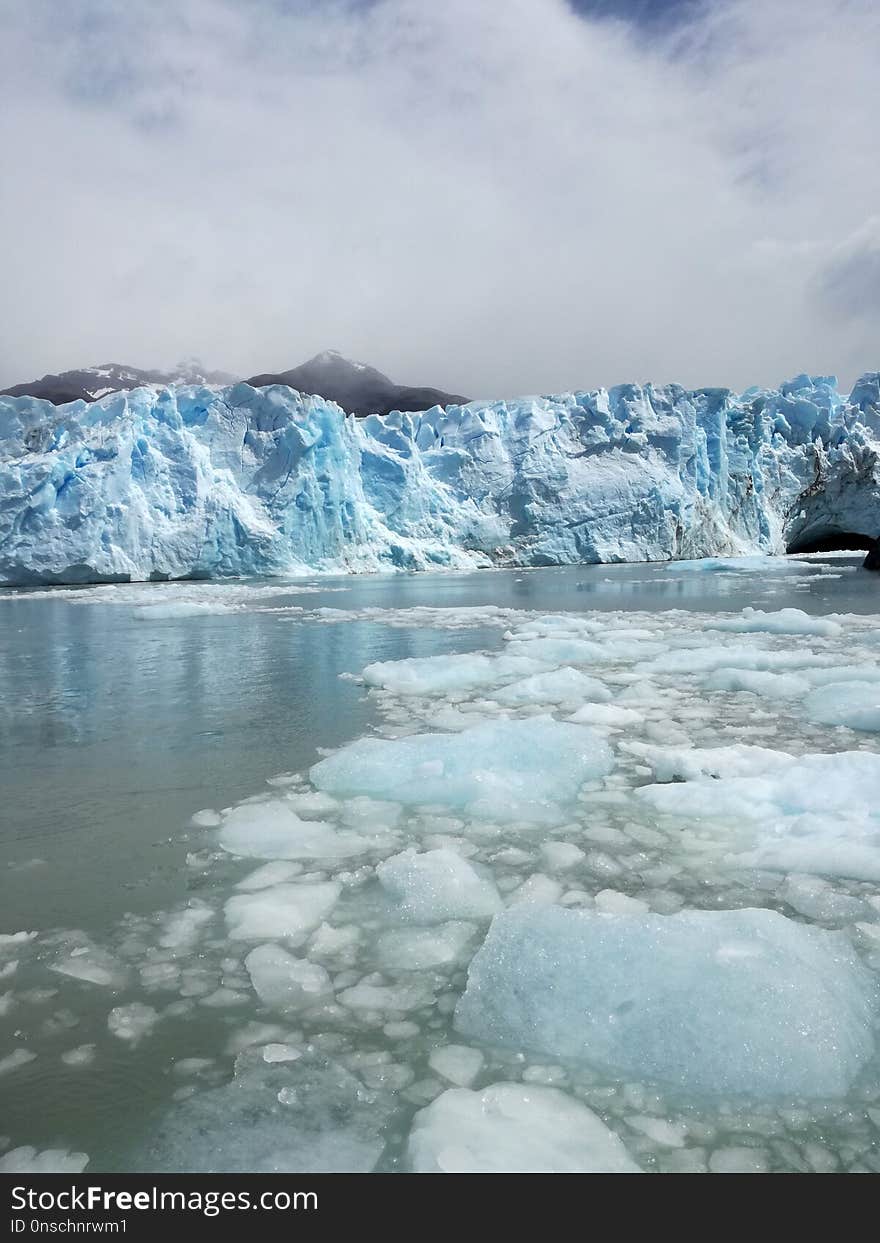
(493, 196)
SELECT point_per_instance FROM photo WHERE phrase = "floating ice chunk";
(253, 1033)
(416, 949)
(440, 675)
(559, 651)
(738, 1161)
(570, 625)
(27, 1160)
(843, 673)
(93, 966)
(521, 768)
(711, 657)
(607, 716)
(132, 1022)
(371, 816)
(329, 941)
(610, 902)
(10, 939)
(286, 911)
(813, 813)
(308, 1116)
(271, 829)
(269, 874)
(178, 609)
(713, 1003)
(206, 819)
(401, 1029)
(284, 982)
(691, 763)
(660, 1130)
(372, 994)
(538, 890)
(456, 1063)
(815, 844)
(784, 621)
(37, 996)
(181, 929)
(82, 1055)
(730, 565)
(815, 898)
(222, 998)
(512, 1129)
(436, 886)
(560, 856)
(562, 686)
(846, 703)
(311, 802)
(160, 975)
(278, 1052)
(772, 685)
(12, 1061)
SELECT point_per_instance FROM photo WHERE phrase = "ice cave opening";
(830, 541)
(835, 540)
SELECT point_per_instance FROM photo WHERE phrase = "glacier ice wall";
(196, 481)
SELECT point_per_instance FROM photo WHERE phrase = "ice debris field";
(602, 897)
(197, 481)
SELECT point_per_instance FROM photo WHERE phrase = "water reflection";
(114, 729)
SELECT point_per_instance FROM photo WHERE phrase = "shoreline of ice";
(189, 481)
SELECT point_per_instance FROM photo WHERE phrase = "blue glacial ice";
(436, 886)
(196, 481)
(712, 1003)
(499, 770)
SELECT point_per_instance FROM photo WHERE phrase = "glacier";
(198, 482)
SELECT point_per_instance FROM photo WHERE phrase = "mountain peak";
(92, 383)
(357, 387)
(333, 359)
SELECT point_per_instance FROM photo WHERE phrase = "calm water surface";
(117, 725)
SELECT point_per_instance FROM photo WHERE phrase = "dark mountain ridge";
(358, 388)
(90, 383)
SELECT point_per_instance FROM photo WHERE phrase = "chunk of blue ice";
(711, 1003)
(513, 769)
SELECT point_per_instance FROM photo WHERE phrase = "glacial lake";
(127, 710)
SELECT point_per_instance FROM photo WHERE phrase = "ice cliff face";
(203, 481)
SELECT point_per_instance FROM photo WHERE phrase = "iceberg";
(437, 886)
(283, 982)
(713, 1004)
(197, 481)
(490, 771)
(847, 703)
(813, 813)
(286, 910)
(513, 1129)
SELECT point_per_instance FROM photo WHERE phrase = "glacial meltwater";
(558, 869)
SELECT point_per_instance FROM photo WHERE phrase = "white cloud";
(492, 197)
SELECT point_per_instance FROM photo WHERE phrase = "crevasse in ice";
(196, 481)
